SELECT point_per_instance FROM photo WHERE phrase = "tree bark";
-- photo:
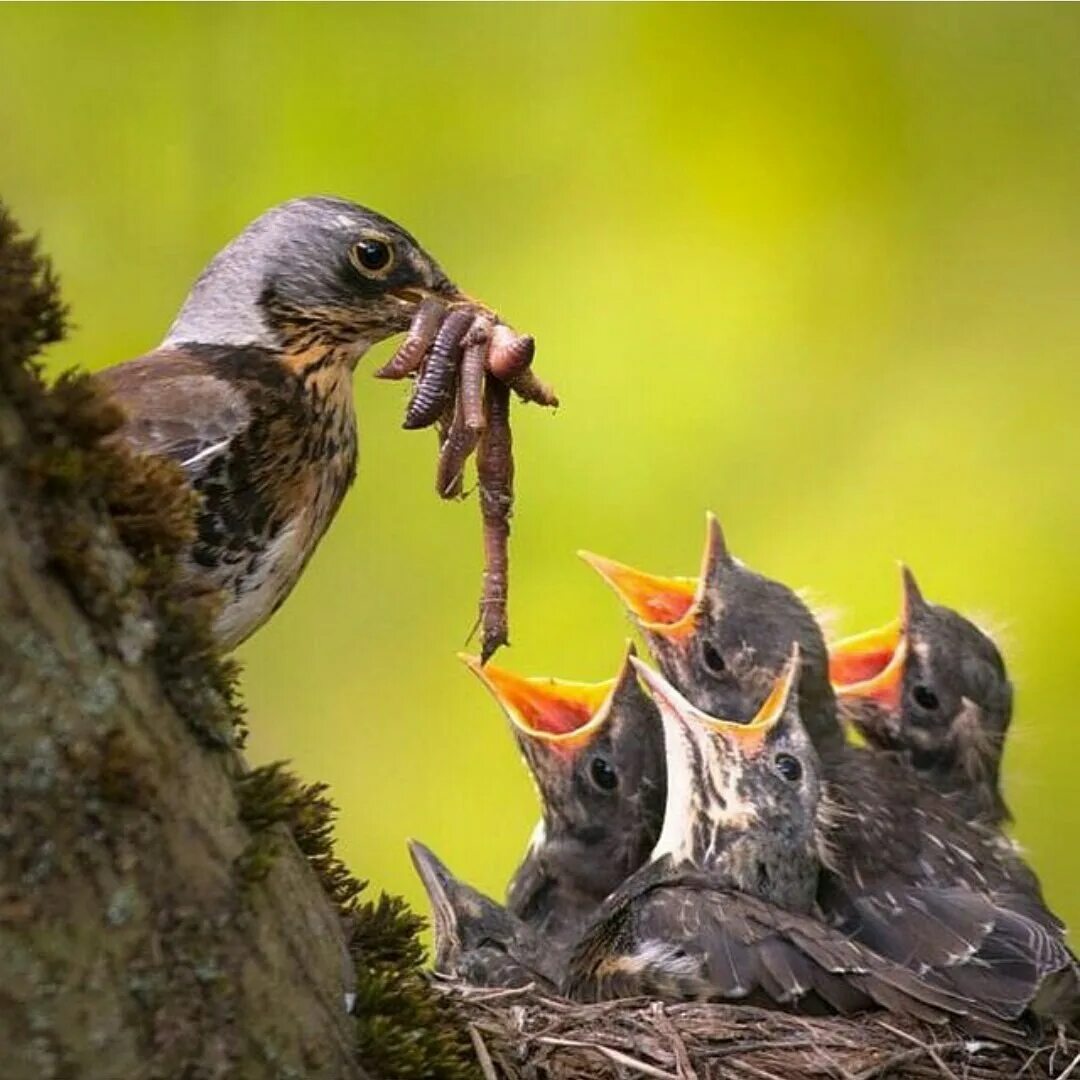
(134, 940)
(130, 943)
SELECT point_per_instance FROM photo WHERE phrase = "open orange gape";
(748, 738)
(871, 665)
(554, 711)
(667, 606)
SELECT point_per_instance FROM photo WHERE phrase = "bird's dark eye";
(924, 697)
(603, 775)
(372, 256)
(712, 658)
(788, 767)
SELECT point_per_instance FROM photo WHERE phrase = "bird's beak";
(413, 296)
(448, 295)
(697, 746)
(870, 665)
(661, 604)
(442, 889)
(667, 606)
(553, 713)
(747, 739)
(751, 737)
(864, 657)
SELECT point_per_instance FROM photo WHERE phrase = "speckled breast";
(270, 499)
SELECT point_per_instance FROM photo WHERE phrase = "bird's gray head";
(724, 636)
(311, 272)
(742, 798)
(932, 685)
(596, 755)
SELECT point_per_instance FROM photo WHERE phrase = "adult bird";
(596, 755)
(250, 392)
(932, 687)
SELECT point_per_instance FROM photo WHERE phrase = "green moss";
(32, 317)
(264, 795)
(271, 795)
(404, 1028)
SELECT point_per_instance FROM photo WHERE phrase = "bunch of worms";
(466, 363)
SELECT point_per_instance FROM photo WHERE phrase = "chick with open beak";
(931, 686)
(723, 909)
(478, 940)
(723, 636)
(906, 873)
(742, 797)
(595, 752)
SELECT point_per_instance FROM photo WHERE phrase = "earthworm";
(410, 353)
(475, 354)
(443, 426)
(510, 353)
(495, 472)
(468, 364)
(435, 385)
(529, 388)
(511, 360)
(458, 443)
(468, 419)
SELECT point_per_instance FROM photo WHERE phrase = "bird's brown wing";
(1001, 948)
(496, 967)
(693, 942)
(176, 406)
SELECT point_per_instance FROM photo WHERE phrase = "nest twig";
(525, 1035)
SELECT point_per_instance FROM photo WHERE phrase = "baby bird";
(905, 873)
(722, 911)
(596, 755)
(933, 687)
(250, 392)
(728, 631)
(478, 940)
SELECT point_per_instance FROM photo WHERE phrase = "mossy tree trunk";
(130, 944)
(165, 912)
(133, 941)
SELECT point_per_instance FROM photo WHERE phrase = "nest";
(525, 1035)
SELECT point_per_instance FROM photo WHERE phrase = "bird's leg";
(495, 472)
(435, 385)
(511, 359)
(468, 413)
(410, 354)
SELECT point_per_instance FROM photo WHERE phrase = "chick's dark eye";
(603, 775)
(788, 767)
(924, 697)
(372, 255)
(712, 658)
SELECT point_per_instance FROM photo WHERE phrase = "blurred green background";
(813, 267)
